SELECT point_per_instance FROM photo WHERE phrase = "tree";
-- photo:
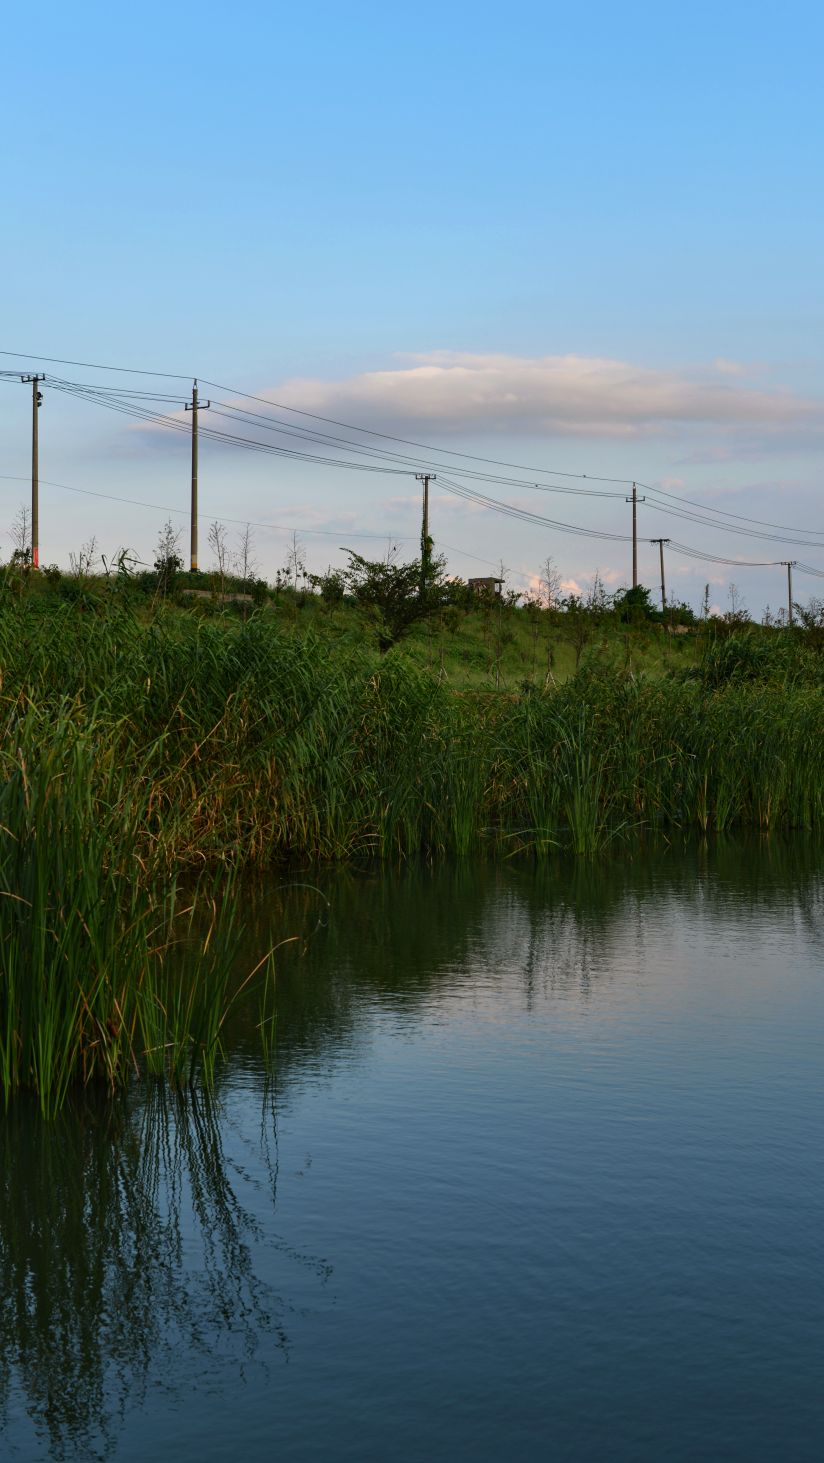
(20, 535)
(549, 584)
(737, 614)
(331, 587)
(392, 595)
(168, 562)
(811, 620)
(533, 606)
(577, 626)
(220, 548)
(244, 559)
(597, 598)
(295, 562)
(635, 605)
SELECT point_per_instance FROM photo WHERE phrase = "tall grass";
(105, 969)
(144, 766)
(240, 744)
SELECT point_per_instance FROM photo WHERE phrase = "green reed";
(105, 968)
(220, 744)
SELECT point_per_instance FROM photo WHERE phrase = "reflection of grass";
(126, 1251)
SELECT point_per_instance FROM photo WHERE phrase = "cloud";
(569, 395)
(730, 368)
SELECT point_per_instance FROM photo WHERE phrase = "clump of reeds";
(242, 743)
(105, 968)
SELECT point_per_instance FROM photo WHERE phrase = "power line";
(136, 404)
(251, 523)
(117, 402)
(114, 399)
(95, 365)
(741, 517)
(406, 441)
(217, 518)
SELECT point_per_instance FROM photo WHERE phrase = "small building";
(488, 585)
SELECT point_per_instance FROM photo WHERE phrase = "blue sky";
(324, 204)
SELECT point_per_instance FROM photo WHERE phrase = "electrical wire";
(135, 403)
(227, 409)
(251, 523)
(95, 366)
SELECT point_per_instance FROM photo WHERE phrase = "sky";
(581, 240)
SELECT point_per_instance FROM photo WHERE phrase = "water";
(538, 1175)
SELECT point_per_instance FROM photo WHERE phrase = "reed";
(245, 744)
(136, 754)
(105, 969)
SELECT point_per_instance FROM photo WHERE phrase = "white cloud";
(553, 395)
(730, 368)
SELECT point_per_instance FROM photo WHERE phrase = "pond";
(536, 1172)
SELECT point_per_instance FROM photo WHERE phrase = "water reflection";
(140, 1254)
(559, 928)
(124, 1245)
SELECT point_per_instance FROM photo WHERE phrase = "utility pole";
(660, 542)
(426, 543)
(36, 402)
(635, 500)
(790, 563)
(193, 406)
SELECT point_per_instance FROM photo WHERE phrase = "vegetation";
(105, 969)
(153, 747)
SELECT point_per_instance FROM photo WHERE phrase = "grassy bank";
(137, 753)
(240, 742)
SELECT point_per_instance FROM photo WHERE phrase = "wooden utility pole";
(790, 563)
(660, 542)
(36, 402)
(193, 406)
(635, 500)
(426, 542)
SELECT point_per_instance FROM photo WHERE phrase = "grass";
(105, 969)
(146, 762)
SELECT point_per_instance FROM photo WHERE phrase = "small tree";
(168, 562)
(737, 614)
(577, 626)
(391, 593)
(811, 620)
(549, 584)
(533, 606)
(218, 543)
(295, 562)
(634, 606)
(331, 587)
(245, 562)
(20, 535)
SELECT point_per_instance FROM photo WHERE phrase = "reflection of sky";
(557, 1193)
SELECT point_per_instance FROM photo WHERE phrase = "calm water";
(538, 1175)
